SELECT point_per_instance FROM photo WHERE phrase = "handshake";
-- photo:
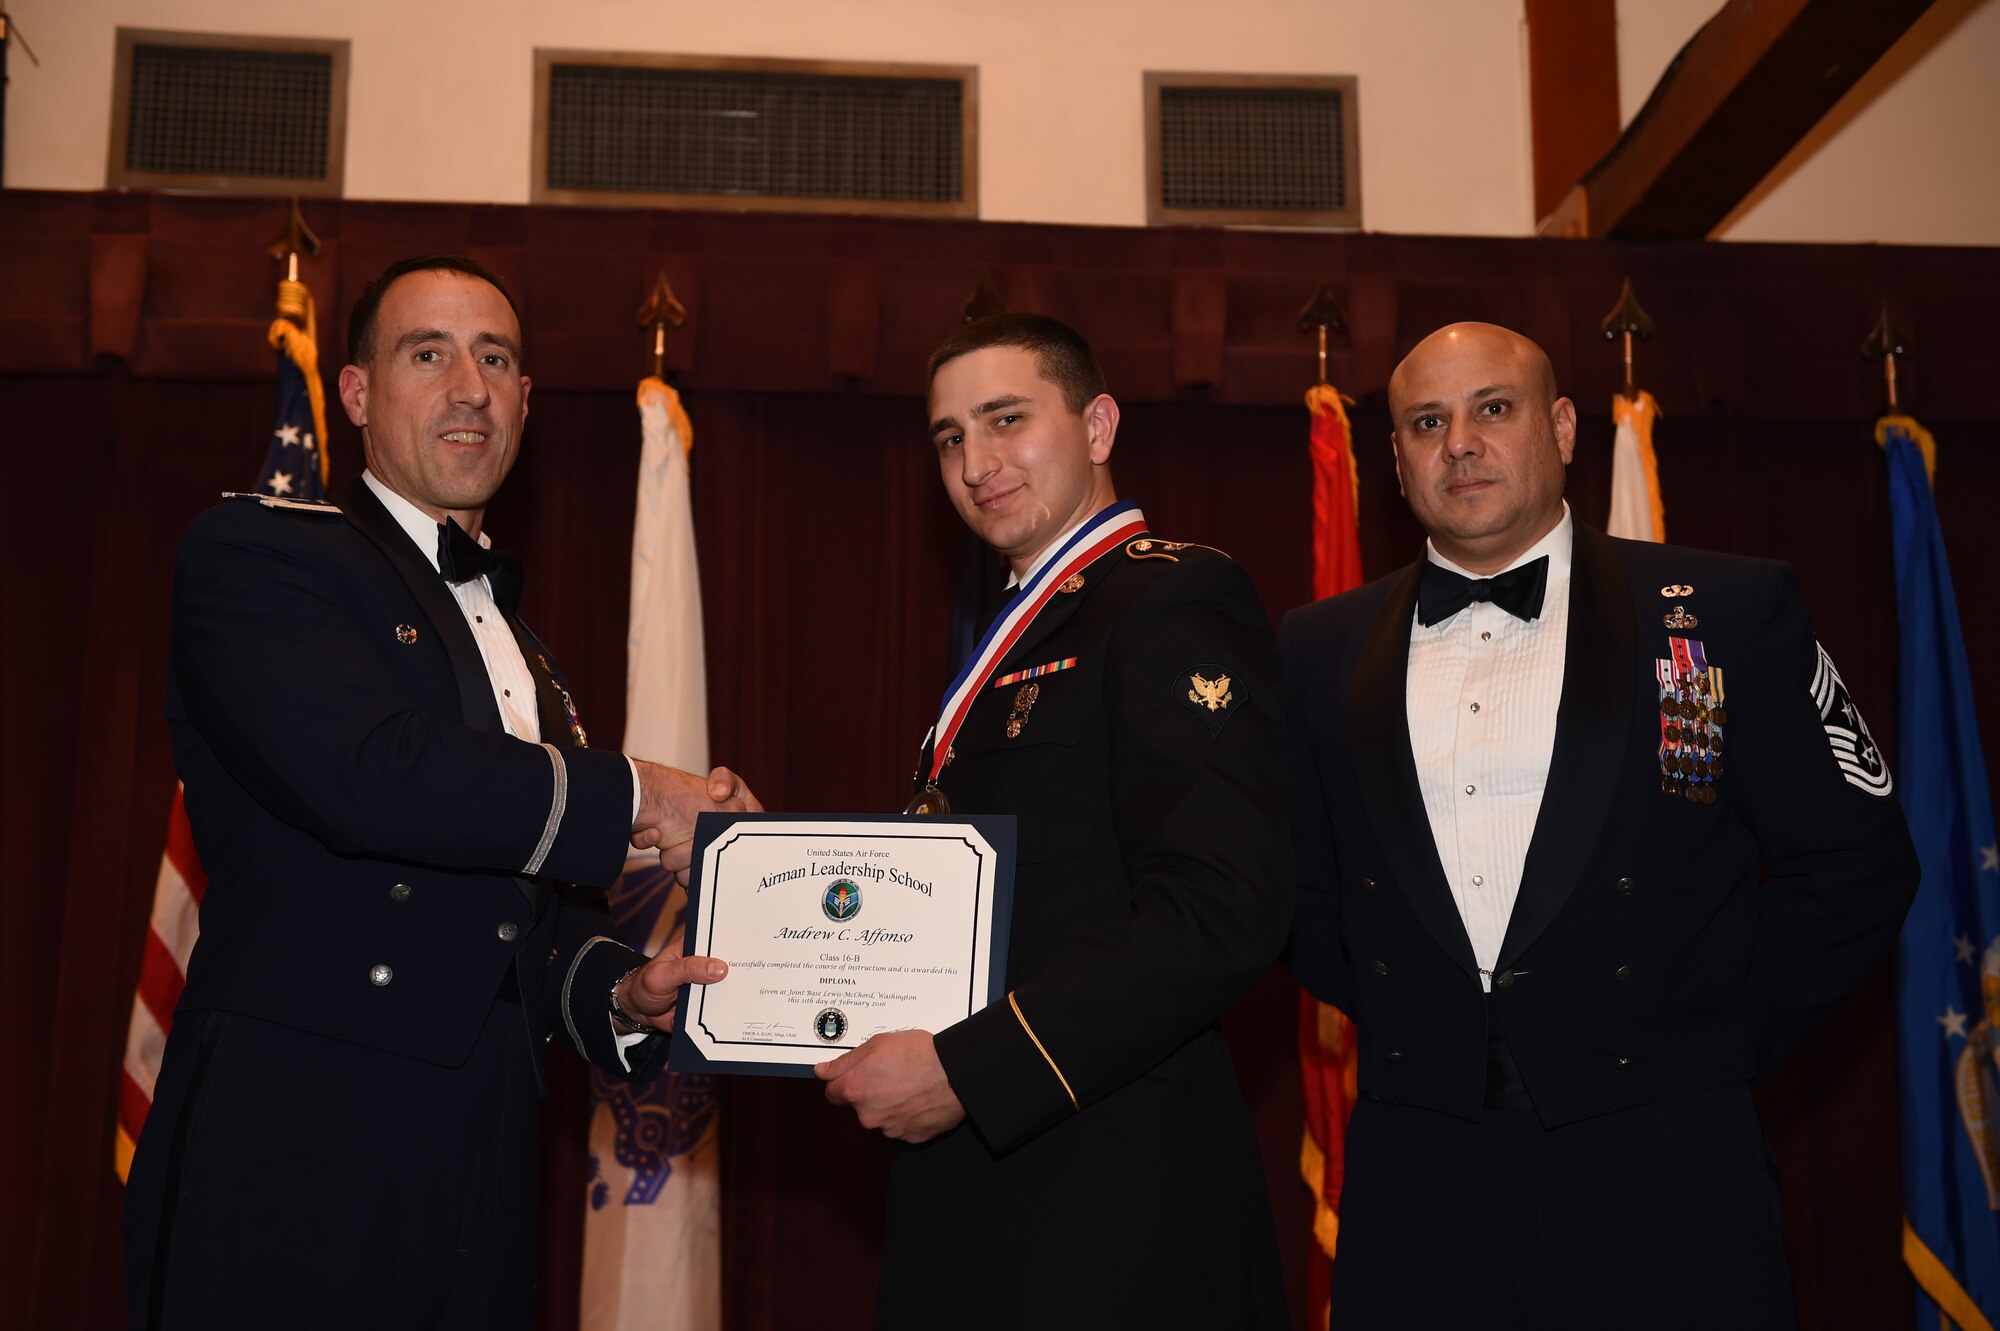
(669, 800)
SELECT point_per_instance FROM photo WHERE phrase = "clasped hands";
(670, 799)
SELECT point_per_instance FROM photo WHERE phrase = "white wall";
(1911, 155)
(441, 97)
(440, 92)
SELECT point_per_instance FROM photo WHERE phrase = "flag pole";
(661, 311)
(1888, 342)
(1319, 314)
(294, 238)
(1627, 320)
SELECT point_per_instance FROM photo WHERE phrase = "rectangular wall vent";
(234, 114)
(789, 135)
(1271, 150)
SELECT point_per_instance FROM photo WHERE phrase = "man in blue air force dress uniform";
(391, 795)
(1078, 1153)
(1536, 776)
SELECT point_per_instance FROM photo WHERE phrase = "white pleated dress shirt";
(1484, 688)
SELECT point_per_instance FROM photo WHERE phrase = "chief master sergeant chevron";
(1078, 1155)
(389, 789)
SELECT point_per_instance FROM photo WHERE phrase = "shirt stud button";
(1475, 707)
(1486, 636)
(1478, 880)
(1470, 789)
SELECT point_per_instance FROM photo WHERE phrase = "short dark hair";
(1066, 360)
(361, 319)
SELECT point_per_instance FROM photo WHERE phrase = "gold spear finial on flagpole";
(1888, 342)
(661, 311)
(1626, 320)
(1320, 314)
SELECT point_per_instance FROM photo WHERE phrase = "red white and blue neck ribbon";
(1104, 532)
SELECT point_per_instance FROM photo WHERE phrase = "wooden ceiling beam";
(1739, 96)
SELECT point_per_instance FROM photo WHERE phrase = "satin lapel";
(1378, 719)
(364, 512)
(1593, 729)
(549, 707)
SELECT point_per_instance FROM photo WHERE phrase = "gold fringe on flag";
(1918, 436)
(676, 414)
(295, 332)
(1640, 415)
(1325, 399)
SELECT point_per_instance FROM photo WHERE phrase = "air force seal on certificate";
(830, 1025)
(841, 902)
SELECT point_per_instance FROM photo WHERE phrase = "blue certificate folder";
(686, 1054)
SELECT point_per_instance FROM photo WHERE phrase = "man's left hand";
(895, 1083)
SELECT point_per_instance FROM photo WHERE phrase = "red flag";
(1326, 1036)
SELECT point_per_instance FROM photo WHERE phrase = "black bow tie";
(1442, 593)
(461, 558)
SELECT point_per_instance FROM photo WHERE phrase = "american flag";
(294, 468)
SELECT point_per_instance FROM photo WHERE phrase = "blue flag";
(292, 464)
(1948, 959)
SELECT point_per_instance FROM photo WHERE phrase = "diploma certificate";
(836, 929)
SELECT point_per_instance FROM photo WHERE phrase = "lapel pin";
(405, 634)
(1673, 589)
(1680, 619)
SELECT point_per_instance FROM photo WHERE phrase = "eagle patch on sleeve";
(1854, 751)
(1208, 689)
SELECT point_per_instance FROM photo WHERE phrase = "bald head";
(1481, 442)
(1458, 345)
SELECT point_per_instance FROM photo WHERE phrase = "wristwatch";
(625, 1019)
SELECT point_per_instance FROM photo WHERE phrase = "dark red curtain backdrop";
(134, 385)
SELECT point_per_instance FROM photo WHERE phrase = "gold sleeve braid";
(1044, 1051)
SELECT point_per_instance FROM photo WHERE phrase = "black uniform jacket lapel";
(364, 512)
(1379, 720)
(1593, 730)
(1061, 605)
